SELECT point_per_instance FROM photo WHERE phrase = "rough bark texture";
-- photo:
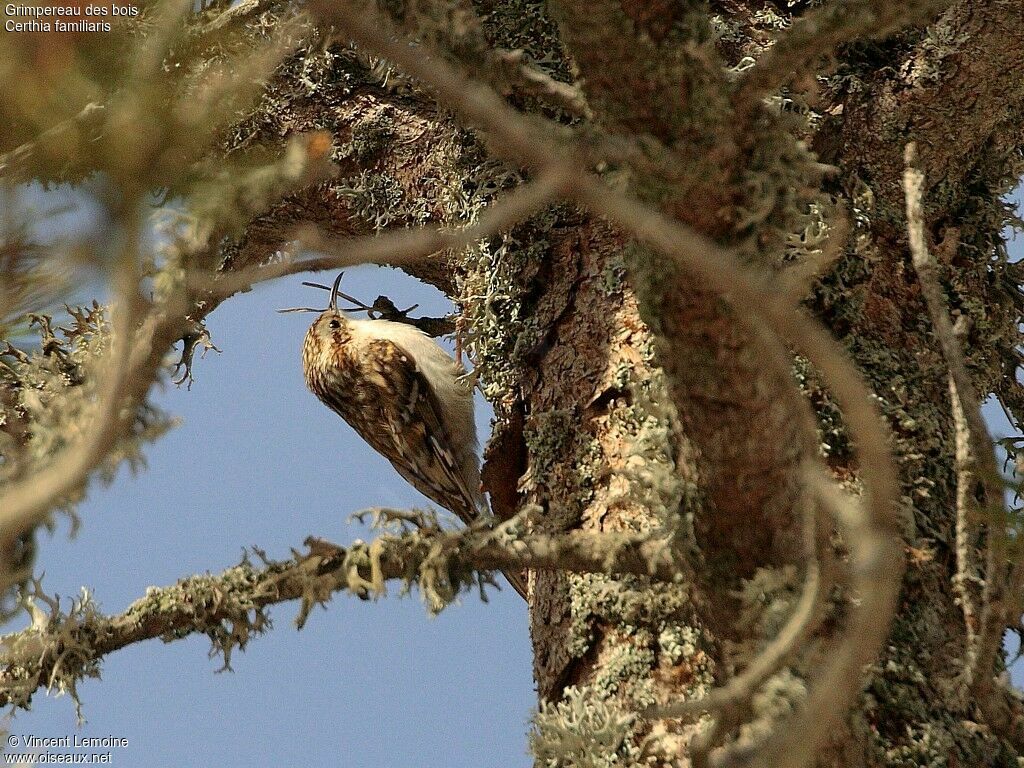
(582, 387)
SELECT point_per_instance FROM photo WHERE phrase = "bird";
(407, 398)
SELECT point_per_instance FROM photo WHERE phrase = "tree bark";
(630, 398)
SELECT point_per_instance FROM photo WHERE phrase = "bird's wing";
(422, 447)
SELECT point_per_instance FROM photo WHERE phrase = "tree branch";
(821, 31)
(25, 503)
(395, 247)
(54, 143)
(981, 655)
(61, 648)
(875, 546)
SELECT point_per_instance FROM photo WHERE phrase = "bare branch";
(529, 79)
(966, 578)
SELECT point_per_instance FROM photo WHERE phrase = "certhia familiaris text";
(405, 396)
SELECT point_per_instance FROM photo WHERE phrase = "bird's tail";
(477, 502)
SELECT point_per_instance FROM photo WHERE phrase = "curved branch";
(876, 551)
(982, 652)
(19, 164)
(394, 247)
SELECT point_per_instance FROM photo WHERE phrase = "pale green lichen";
(613, 275)
(371, 138)
(376, 197)
(583, 730)
(625, 667)
(626, 601)
(562, 456)
(926, 746)
(766, 600)
(646, 426)
(677, 642)
(941, 40)
(52, 632)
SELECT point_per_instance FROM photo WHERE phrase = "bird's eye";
(335, 324)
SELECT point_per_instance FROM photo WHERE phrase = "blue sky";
(259, 461)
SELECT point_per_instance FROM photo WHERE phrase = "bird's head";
(330, 327)
(328, 331)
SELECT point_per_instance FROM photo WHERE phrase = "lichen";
(47, 394)
(561, 457)
(779, 697)
(65, 640)
(583, 730)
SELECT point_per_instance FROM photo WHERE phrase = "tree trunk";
(628, 397)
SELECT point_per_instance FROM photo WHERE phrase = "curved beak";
(334, 292)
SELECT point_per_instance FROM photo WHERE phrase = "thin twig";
(529, 79)
(966, 577)
(980, 657)
(17, 165)
(237, 13)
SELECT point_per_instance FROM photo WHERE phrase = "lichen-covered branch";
(60, 648)
(819, 32)
(400, 247)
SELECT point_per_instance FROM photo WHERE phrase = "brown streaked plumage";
(404, 395)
